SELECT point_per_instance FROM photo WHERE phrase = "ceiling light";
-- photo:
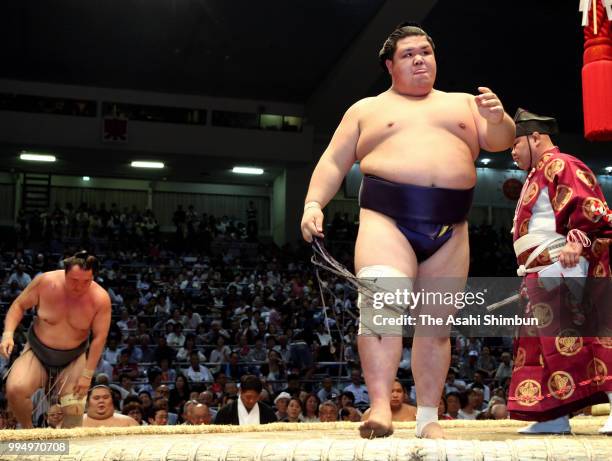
(247, 170)
(86, 178)
(485, 161)
(139, 164)
(37, 157)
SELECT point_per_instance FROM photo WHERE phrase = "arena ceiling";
(529, 52)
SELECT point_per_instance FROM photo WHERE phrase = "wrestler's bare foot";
(432, 431)
(377, 425)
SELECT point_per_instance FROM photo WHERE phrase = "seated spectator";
(468, 410)
(280, 402)
(125, 367)
(347, 403)
(20, 277)
(146, 403)
(247, 409)
(197, 373)
(164, 351)
(179, 394)
(442, 408)
(111, 351)
(453, 405)
(220, 354)
(189, 347)
(400, 410)
(161, 403)
(478, 382)
(168, 375)
(101, 411)
(160, 417)
(359, 390)
(328, 412)
(487, 363)
(234, 369)
(294, 411)
(310, 413)
(200, 414)
(328, 391)
(452, 383)
(499, 411)
(504, 370)
(134, 411)
(176, 339)
(55, 416)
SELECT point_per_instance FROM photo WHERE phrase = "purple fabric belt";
(406, 202)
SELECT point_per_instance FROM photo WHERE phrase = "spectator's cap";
(473, 354)
(282, 395)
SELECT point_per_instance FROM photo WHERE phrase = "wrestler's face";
(397, 395)
(100, 405)
(78, 281)
(413, 68)
(520, 152)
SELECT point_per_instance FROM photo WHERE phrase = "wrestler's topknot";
(405, 29)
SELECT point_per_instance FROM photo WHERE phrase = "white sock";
(424, 416)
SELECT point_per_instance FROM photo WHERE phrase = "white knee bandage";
(382, 304)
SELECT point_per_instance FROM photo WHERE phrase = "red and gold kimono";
(560, 372)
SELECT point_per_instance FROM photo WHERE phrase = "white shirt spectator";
(198, 376)
(175, 340)
(360, 392)
(22, 279)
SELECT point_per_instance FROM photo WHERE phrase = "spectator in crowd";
(20, 277)
(328, 391)
(55, 416)
(453, 405)
(294, 411)
(469, 409)
(101, 411)
(310, 413)
(247, 409)
(280, 402)
(328, 412)
(134, 411)
(504, 371)
(197, 373)
(358, 389)
(200, 414)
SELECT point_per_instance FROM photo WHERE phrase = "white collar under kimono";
(246, 417)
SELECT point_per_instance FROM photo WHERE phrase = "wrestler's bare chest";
(56, 310)
(443, 122)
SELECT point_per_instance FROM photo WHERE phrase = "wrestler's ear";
(389, 65)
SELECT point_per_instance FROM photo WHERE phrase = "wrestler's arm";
(337, 159)
(99, 329)
(26, 300)
(496, 129)
(333, 166)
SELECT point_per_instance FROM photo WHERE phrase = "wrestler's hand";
(6, 347)
(570, 254)
(82, 386)
(489, 105)
(312, 223)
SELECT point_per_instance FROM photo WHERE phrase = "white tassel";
(586, 6)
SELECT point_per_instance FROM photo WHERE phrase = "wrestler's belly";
(444, 161)
(60, 335)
